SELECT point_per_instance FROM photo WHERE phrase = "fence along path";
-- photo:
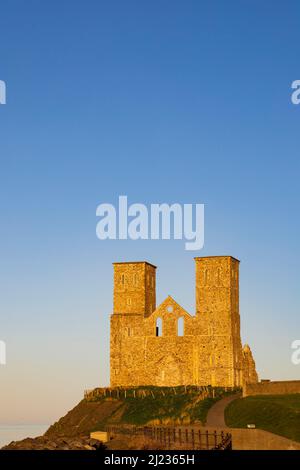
(176, 437)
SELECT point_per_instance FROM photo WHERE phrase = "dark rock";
(59, 443)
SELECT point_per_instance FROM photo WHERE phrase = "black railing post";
(200, 441)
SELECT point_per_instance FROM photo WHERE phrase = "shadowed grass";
(279, 414)
(139, 406)
(173, 407)
(167, 404)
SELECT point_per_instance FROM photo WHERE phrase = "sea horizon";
(17, 432)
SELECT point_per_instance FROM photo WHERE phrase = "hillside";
(162, 406)
(279, 414)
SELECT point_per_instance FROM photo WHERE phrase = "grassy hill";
(279, 414)
(162, 406)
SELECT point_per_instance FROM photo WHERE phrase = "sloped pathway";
(215, 416)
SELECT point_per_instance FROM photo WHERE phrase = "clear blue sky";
(164, 102)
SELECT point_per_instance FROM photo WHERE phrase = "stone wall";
(272, 388)
(257, 439)
(249, 369)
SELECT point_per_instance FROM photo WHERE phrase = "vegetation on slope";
(152, 405)
(166, 405)
(279, 414)
(168, 409)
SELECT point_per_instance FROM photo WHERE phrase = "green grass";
(163, 404)
(173, 407)
(279, 414)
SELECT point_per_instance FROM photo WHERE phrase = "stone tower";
(217, 311)
(134, 301)
(134, 288)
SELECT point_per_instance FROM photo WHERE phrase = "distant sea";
(16, 432)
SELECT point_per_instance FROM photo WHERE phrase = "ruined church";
(165, 345)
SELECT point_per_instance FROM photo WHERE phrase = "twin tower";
(165, 345)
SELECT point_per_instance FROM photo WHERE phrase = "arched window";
(158, 329)
(180, 326)
(135, 279)
(123, 279)
(205, 277)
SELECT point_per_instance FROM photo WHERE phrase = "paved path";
(215, 416)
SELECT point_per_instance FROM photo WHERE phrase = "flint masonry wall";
(272, 388)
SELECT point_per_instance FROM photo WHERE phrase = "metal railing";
(175, 437)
